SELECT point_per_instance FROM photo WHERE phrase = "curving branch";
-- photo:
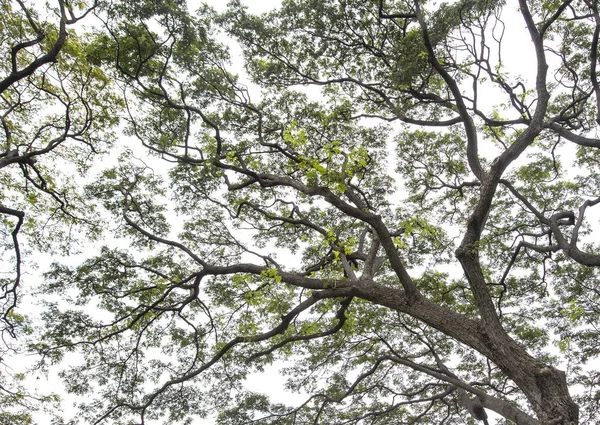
(340, 316)
(554, 224)
(467, 120)
(502, 407)
(594, 57)
(280, 329)
(9, 291)
(573, 137)
(17, 74)
(569, 247)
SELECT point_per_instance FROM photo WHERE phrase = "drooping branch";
(9, 291)
(340, 316)
(502, 407)
(554, 224)
(280, 329)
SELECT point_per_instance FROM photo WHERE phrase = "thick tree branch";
(502, 407)
(18, 74)
(572, 137)
(469, 125)
(280, 329)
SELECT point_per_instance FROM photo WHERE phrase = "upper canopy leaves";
(397, 209)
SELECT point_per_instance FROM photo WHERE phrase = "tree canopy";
(382, 201)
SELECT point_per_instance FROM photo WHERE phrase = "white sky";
(518, 61)
(254, 6)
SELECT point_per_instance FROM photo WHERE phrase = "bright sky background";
(270, 382)
(254, 6)
(518, 61)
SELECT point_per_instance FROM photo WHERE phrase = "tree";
(51, 107)
(52, 112)
(466, 288)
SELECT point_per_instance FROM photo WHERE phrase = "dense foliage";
(383, 203)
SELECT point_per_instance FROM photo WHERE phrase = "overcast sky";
(518, 61)
(255, 6)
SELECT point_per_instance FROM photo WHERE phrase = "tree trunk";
(544, 386)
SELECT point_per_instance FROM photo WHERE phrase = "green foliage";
(364, 220)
